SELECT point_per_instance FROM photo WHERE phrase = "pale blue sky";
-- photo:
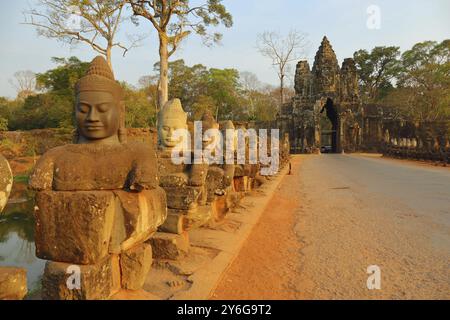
(403, 23)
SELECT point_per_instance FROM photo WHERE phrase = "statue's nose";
(93, 115)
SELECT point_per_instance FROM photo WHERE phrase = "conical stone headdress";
(99, 77)
(172, 110)
(208, 121)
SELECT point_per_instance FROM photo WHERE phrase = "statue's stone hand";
(198, 175)
(174, 180)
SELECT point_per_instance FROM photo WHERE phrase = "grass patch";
(21, 178)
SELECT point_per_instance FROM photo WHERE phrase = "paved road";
(350, 212)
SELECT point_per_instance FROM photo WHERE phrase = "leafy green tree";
(40, 111)
(424, 82)
(62, 79)
(376, 71)
(53, 107)
(174, 21)
(3, 124)
(137, 102)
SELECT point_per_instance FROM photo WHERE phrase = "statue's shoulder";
(41, 177)
(145, 171)
(142, 151)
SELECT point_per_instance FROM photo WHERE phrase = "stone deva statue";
(246, 172)
(6, 182)
(98, 200)
(184, 183)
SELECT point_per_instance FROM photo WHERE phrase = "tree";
(424, 82)
(25, 83)
(137, 103)
(249, 81)
(376, 70)
(282, 51)
(3, 124)
(93, 22)
(62, 79)
(224, 87)
(174, 21)
(52, 108)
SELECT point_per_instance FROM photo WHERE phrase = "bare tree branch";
(282, 51)
(96, 23)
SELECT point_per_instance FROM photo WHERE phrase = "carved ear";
(122, 129)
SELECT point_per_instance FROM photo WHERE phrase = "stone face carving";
(303, 79)
(6, 181)
(326, 80)
(98, 200)
(171, 118)
(325, 70)
(349, 91)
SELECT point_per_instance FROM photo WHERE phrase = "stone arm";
(198, 174)
(144, 172)
(42, 176)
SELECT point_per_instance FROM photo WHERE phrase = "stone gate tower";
(326, 105)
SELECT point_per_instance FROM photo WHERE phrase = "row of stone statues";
(426, 146)
(106, 207)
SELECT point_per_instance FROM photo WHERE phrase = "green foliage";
(3, 124)
(416, 84)
(423, 83)
(177, 19)
(63, 78)
(201, 89)
(46, 110)
(140, 107)
(376, 70)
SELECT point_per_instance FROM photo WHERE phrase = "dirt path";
(337, 215)
(267, 266)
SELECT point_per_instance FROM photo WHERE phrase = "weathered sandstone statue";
(244, 173)
(184, 184)
(219, 182)
(98, 200)
(13, 281)
(6, 181)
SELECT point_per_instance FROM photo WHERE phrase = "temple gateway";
(326, 110)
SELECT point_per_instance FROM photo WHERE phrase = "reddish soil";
(268, 260)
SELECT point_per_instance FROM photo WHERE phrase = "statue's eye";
(83, 108)
(103, 107)
(166, 128)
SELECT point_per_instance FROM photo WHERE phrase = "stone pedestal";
(242, 184)
(135, 265)
(170, 246)
(220, 207)
(175, 222)
(13, 283)
(6, 182)
(65, 281)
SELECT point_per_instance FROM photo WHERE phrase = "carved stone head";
(228, 125)
(99, 108)
(171, 118)
(212, 139)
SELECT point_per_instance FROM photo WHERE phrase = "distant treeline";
(227, 93)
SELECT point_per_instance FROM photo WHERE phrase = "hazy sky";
(344, 22)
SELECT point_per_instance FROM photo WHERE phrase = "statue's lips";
(94, 128)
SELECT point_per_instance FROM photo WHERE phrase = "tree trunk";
(108, 57)
(281, 90)
(163, 86)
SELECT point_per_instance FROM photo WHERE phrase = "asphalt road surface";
(335, 216)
